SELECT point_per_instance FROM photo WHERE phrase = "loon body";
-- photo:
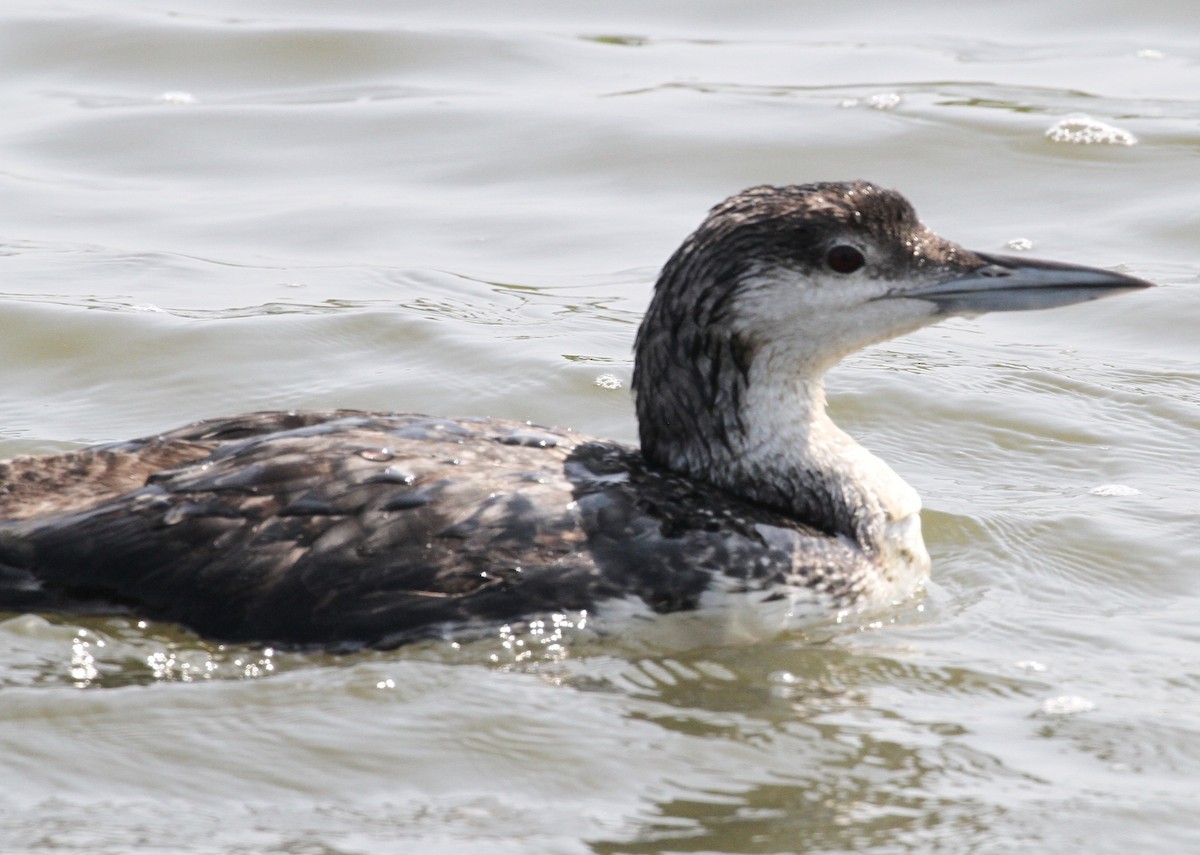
(342, 529)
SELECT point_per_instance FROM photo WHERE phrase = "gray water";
(459, 207)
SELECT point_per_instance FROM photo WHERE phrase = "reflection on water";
(796, 744)
(841, 764)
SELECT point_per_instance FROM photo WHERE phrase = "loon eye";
(845, 259)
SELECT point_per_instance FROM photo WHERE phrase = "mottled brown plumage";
(343, 529)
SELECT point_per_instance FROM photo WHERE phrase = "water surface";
(459, 208)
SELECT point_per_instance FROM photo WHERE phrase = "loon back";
(342, 529)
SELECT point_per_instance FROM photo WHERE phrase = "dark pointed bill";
(1009, 284)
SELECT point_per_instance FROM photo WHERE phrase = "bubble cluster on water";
(186, 666)
(1066, 705)
(1084, 130)
(541, 640)
(1115, 490)
(83, 662)
(878, 101)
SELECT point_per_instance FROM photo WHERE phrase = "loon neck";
(793, 456)
(783, 450)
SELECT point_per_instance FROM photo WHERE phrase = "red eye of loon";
(845, 259)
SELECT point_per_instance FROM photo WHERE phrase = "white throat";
(791, 442)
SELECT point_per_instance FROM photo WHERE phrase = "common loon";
(342, 529)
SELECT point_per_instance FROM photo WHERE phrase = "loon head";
(776, 286)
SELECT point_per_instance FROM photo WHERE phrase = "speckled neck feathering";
(341, 529)
(732, 352)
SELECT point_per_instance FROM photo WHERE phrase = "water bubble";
(178, 98)
(1066, 705)
(1084, 130)
(376, 455)
(884, 101)
(1115, 490)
